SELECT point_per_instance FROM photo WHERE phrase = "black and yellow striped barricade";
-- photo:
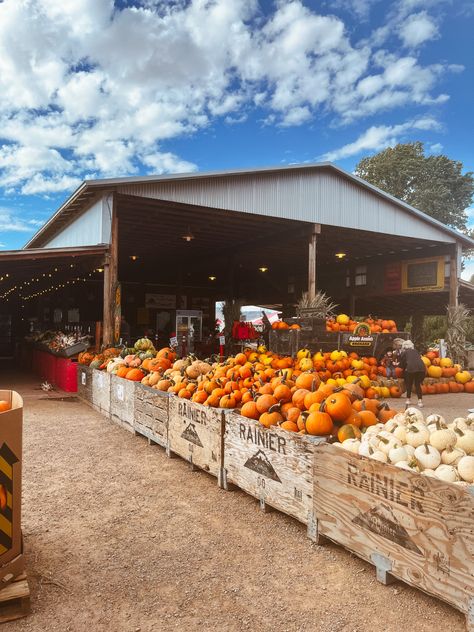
(11, 428)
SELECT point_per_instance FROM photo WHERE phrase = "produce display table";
(412, 527)
(55, 369)
(196, 433)
(273, 465)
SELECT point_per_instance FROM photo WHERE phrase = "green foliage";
(432, 184)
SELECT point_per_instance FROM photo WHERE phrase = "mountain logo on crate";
(7, 460)
(259, 463)
(382, 521)
(191, 435)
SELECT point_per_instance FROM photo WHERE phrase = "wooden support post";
(110, 280)
(315, 231)
(454, 272)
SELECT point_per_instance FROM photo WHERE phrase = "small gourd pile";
(429, 446)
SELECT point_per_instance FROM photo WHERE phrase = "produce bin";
(196, 433)
(11, 429)
(151, 414)
(101, 381)
(273, 465)
(412, 527)
(66, 375)
(84, 383)
(122, 402)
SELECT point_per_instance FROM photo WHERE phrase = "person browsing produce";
(414, 370)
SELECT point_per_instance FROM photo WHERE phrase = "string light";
(22, 285)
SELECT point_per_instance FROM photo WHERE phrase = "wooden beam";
(454, 273)
(110, 279)
(315, 230)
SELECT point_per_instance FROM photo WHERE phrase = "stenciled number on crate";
(387, 487)
(382, 521)
(120, 392)
(83, 379)
(298, 494)
(261, 482)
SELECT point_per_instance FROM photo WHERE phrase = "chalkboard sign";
(423, 275)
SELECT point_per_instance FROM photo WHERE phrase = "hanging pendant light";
(188, 236)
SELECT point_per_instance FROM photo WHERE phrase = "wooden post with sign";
(315, 231)
(110, 280)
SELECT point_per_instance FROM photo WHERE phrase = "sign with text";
(160, 301)
(423, 275)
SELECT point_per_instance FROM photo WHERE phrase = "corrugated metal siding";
(322, 197)
(89, 229)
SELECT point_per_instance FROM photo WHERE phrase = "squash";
(135, 375)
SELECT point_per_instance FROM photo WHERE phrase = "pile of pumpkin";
(430, 446)
(343, 322)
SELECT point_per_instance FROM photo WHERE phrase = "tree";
(432, 184)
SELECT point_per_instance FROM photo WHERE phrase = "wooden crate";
(84, 383)
(122, 402)
(15, 599)
(101, 381)
(411, 527)
(273, 465)
(196, 433)
(151, 414)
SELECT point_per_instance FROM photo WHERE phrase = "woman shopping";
(414, 370)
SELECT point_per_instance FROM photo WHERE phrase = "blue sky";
(93, 88)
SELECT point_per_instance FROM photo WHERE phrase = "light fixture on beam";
(99, 269)
(133, 257)
(263, 269)
(212, 278)
(340, 255)
(188, 236)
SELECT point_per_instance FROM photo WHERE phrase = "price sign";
(222, 340)
(83, 379)
(174, 341)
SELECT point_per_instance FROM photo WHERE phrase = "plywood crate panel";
(122, 401)
(84, 383)
(413, 527)
(195, 432)
(101, 391)
(274, 465)
(151, 414)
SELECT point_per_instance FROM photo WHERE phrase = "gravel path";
(120, 538)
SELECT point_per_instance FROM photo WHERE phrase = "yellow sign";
(423, 275)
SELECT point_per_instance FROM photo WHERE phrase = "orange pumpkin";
(249, 410)
(289, 425)
(318, 423)
(270, 418)
(265, 402)
(282, 393)
(338, 406)
(122, 371)
(135, 375)
(227, 401)
(4, 406)
(368, 418)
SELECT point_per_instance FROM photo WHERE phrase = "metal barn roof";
(321, 193)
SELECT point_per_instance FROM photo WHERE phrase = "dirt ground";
(120, 538)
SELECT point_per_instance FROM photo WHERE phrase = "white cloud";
(468, 271)
(417, 29)
(13, 222)
(87, 87)
(379, 137)
(436, 148)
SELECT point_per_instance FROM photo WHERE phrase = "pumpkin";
(122, 371)
(265, 402)
(96, 364)
(136, 375)
(199, 397)
(368, 418)
(127, 351)
(227, 401)
(282, 393)
(143, 344)
(249, 410)
(318, 423)
(338, 406)
(4, 406)
(348, 431)
(270, 418)
(289, 425)
(85, 358)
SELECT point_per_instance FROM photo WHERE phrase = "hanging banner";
(393, 278)
(423, 275)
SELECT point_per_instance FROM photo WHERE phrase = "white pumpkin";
(466, 468)
(427, 456)
(413, 415)
(443, 439)
(452, 456)
(446, 473)
(417, 434)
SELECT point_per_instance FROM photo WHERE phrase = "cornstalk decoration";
(458, 319)
(318, 306)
